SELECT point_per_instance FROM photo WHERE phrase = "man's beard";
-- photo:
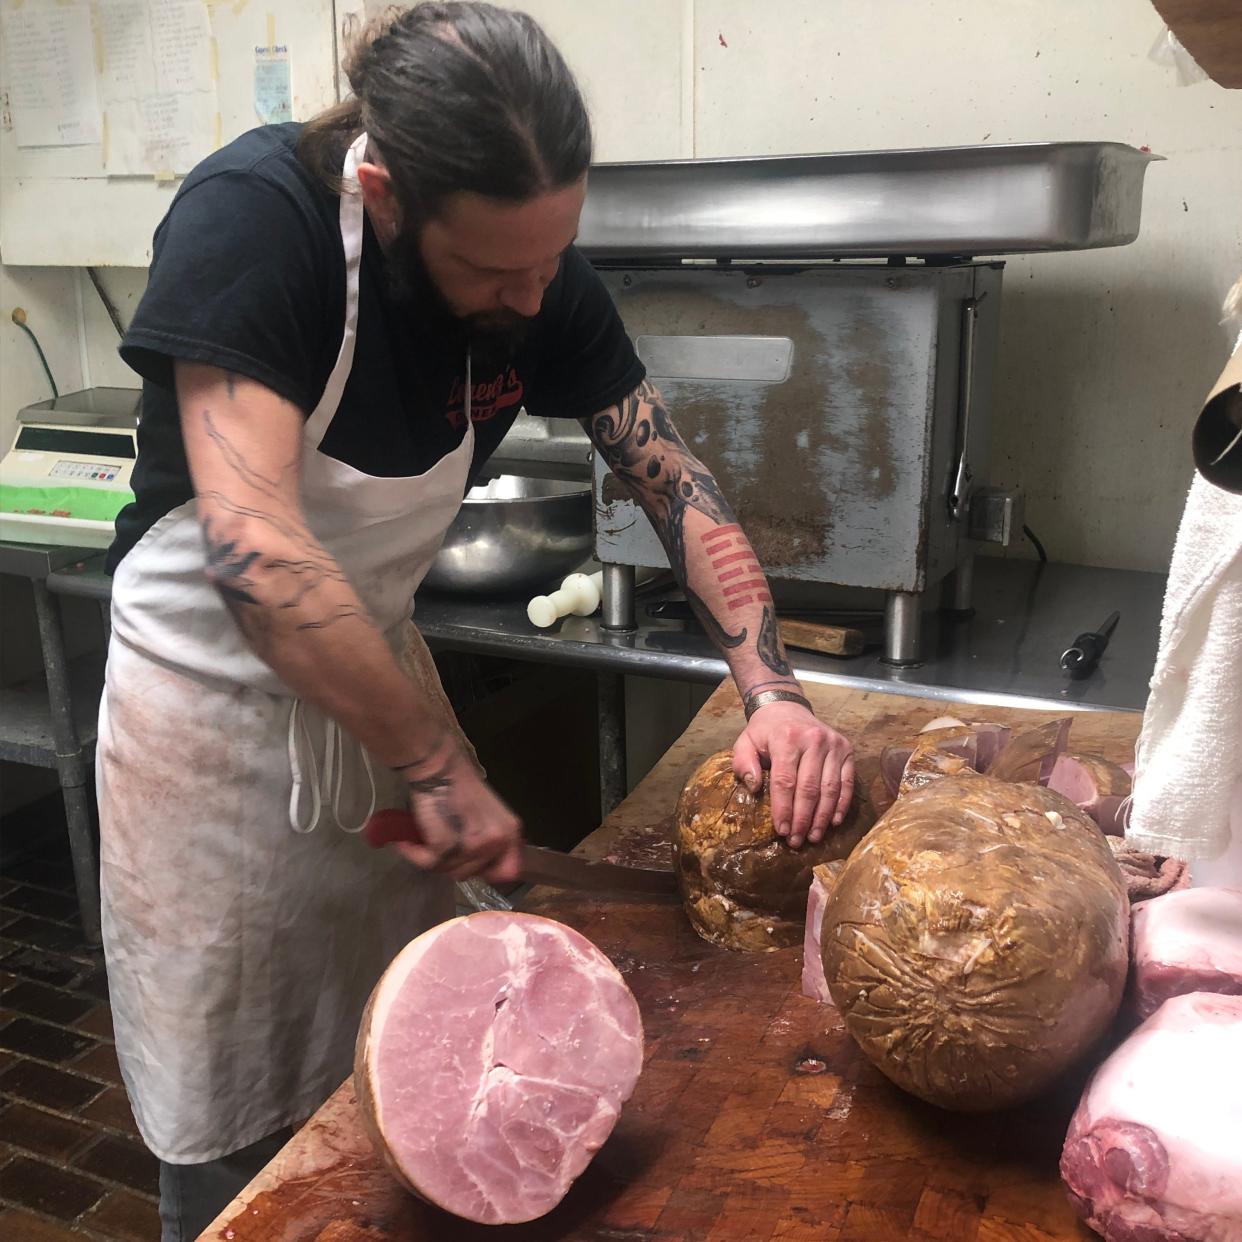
(494, 337)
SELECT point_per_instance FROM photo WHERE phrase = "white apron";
(241, 952)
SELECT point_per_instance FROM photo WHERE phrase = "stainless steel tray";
(960, 201)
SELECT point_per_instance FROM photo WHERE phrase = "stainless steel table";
(1007, 653)
(49, 721)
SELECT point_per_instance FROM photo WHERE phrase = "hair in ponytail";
(455, 96)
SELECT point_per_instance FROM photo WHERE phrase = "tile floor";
(71, 1164)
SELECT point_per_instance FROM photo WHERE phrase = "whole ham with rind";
(1187, 941)
(742, 886)
(976, 941)
(1154, 1150)
(492, 1063)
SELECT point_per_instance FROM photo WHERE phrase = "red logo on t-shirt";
(487, 398)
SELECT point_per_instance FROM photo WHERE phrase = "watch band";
(764, 697)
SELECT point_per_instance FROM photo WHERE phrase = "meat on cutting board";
(975, 941)
(493, 1060)
(741, 884)
(814, 984)
(1154, 1150)
(1187, 941)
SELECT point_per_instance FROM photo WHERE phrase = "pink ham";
(1095, 785)
(814, 984)
(1187, 941)
(1153, 1151)
(492, 1063)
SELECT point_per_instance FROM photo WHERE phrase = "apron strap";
(352, 219)
(326, 784)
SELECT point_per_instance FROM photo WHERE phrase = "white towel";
(1189, 754)
(1187, 760)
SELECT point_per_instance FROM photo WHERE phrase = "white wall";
(1105, 355)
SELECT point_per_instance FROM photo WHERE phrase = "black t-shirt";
(248, 274)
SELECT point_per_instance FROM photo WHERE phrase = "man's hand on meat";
(811, 771)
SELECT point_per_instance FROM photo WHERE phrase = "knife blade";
(541, 865)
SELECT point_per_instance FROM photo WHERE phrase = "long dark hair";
(456, 96)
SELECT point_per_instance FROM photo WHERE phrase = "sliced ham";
(1095, 785)
(1187, 941)
(492, 1062)
(1154, 1151)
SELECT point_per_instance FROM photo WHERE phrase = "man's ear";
(380, 200)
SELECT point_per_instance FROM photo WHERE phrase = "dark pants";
(193, 1195)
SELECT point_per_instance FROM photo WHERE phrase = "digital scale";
(66, 474)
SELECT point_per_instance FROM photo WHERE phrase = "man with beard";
(341, 322)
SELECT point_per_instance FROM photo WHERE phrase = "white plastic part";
(579, 594)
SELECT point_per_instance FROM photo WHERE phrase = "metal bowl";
(514, 534)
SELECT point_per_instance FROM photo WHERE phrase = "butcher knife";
(541, 865)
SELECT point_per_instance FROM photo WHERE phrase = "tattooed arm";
(812, 772)
(296, 608)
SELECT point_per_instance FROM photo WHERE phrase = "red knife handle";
(385, 827)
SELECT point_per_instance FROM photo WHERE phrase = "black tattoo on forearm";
(436, 786)
(291, 582)
(768, 645)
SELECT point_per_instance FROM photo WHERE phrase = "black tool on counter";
(1085, 654)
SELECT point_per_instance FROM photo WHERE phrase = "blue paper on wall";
(273, 96)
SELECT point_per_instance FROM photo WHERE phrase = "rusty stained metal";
(832, 471)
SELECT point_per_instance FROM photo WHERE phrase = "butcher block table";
(755, 1117)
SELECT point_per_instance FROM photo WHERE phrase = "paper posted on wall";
(157, 81)
(51, 75)
(273, 94)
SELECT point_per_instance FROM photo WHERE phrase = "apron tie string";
(326, 783)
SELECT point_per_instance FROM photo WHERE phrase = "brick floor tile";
(110, 1109)
(42, 1040)
(45, 1188)
(23, 1227)
(51, 1088)
(100, 1062)
(126, 1217)
(40, 966)
(98, 1022)
(61, 907)
(43, 873)
(45, 934)
(122, 1160)
(24, 1126)
(36, 1000)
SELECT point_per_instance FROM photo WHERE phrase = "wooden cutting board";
(756, 1118)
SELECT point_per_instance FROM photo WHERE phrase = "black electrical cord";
(1039, 547)
(19, 318)
(108, 304)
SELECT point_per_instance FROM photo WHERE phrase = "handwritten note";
(181, 36)
(273, 96)
(127, 59)
(51, 71)
(157, 83)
